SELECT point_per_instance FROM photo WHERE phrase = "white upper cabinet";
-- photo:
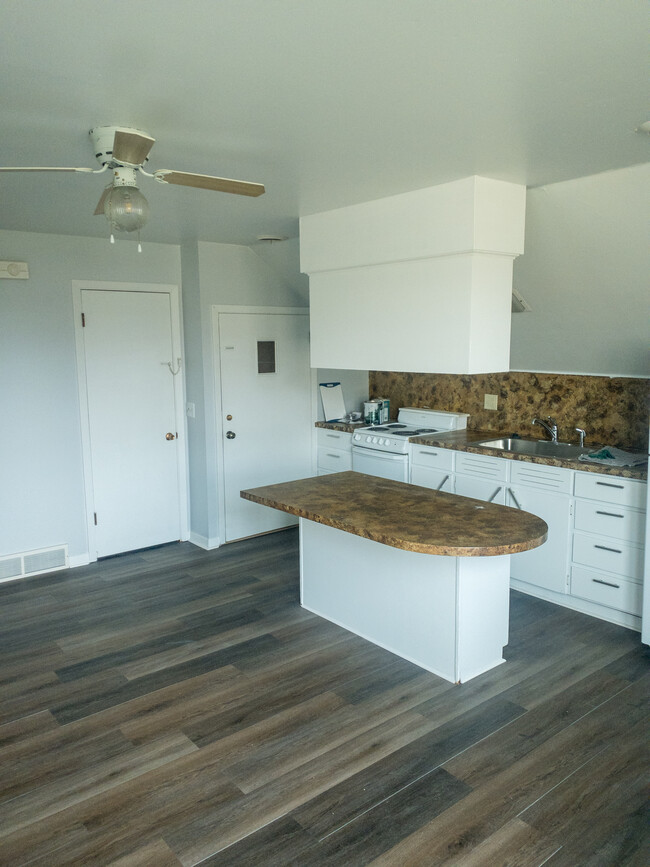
(416, 282)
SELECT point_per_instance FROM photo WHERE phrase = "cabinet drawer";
(432, 477)
(611, 489)
(609, 519)
(480, 489)
(337, 439)
(482, 466)
(613, 592)
(541, 476)
(610, 555)
(336, 460)
(425, 456)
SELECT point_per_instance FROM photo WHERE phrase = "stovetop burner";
(414, 432)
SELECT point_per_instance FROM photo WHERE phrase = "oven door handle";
(375, 453)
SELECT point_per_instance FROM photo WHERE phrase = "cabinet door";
(545, 566)
(429, 477)
(492, 491)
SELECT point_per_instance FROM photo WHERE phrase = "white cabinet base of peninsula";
(449, 615)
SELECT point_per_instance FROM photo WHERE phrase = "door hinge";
(95, 517)
(83, 320)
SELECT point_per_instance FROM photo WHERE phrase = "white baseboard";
(204, 542)
(79, 560)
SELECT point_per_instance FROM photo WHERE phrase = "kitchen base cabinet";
(607, 552)
(544, 491)
(593, 559)
(547, 566)
(432, 468)
(334, 451)
(481, 477)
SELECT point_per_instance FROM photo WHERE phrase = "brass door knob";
(170, 436)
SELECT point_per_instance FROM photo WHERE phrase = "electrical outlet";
(190, 410)
(490, 401)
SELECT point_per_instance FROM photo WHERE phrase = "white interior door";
(127, 343)
(266, 404)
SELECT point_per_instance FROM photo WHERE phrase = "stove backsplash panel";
(613, 411)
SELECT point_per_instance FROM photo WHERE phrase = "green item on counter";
(602, 455)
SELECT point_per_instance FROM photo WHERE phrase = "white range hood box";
(416, 282)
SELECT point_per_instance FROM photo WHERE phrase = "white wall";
(41, 477)
(585, 273)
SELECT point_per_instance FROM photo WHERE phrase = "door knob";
(230, 435)
(170, 436)
(228, 418)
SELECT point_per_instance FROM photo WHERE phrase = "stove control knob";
(368, 439)
(357, 437)
(374, 439)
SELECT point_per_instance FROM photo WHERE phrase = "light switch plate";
(490, 401)
(13, 270)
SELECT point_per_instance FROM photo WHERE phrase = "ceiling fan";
(125, 151)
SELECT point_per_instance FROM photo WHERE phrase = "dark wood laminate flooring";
(178, 707)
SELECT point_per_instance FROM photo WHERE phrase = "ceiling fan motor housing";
(103, 138)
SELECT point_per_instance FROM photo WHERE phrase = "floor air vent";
(33, 562)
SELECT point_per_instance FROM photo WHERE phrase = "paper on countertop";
(333, 404)
(612, 457)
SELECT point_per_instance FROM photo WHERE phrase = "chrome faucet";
(550, 426)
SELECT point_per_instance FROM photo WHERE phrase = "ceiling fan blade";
(131, 147)
(102, 200)
(208, 182)
(45, 169)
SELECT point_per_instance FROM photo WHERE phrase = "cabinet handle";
(330, 455)
(609, 514)
(429, 454)
(512, 494)
(610, 485)
(495, 493)
(443, 482)
(605, 548)
(606, 583)
(333, 436)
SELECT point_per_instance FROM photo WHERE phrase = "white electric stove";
(383, 449)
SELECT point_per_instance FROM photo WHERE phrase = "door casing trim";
(173, 291)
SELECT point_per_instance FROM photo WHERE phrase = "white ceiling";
(326, 102)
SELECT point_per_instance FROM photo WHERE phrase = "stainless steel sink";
(537, 448)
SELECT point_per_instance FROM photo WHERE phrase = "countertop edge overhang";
(405, 516)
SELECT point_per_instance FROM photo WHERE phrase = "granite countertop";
(405, 516)
(344, 426)
(467, 441)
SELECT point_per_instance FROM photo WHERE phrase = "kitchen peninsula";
(421, 573)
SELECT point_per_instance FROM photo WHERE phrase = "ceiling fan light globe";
(126, 209)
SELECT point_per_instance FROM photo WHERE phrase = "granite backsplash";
(613, 411)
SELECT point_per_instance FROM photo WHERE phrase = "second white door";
(127, 343)
(266, 411)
